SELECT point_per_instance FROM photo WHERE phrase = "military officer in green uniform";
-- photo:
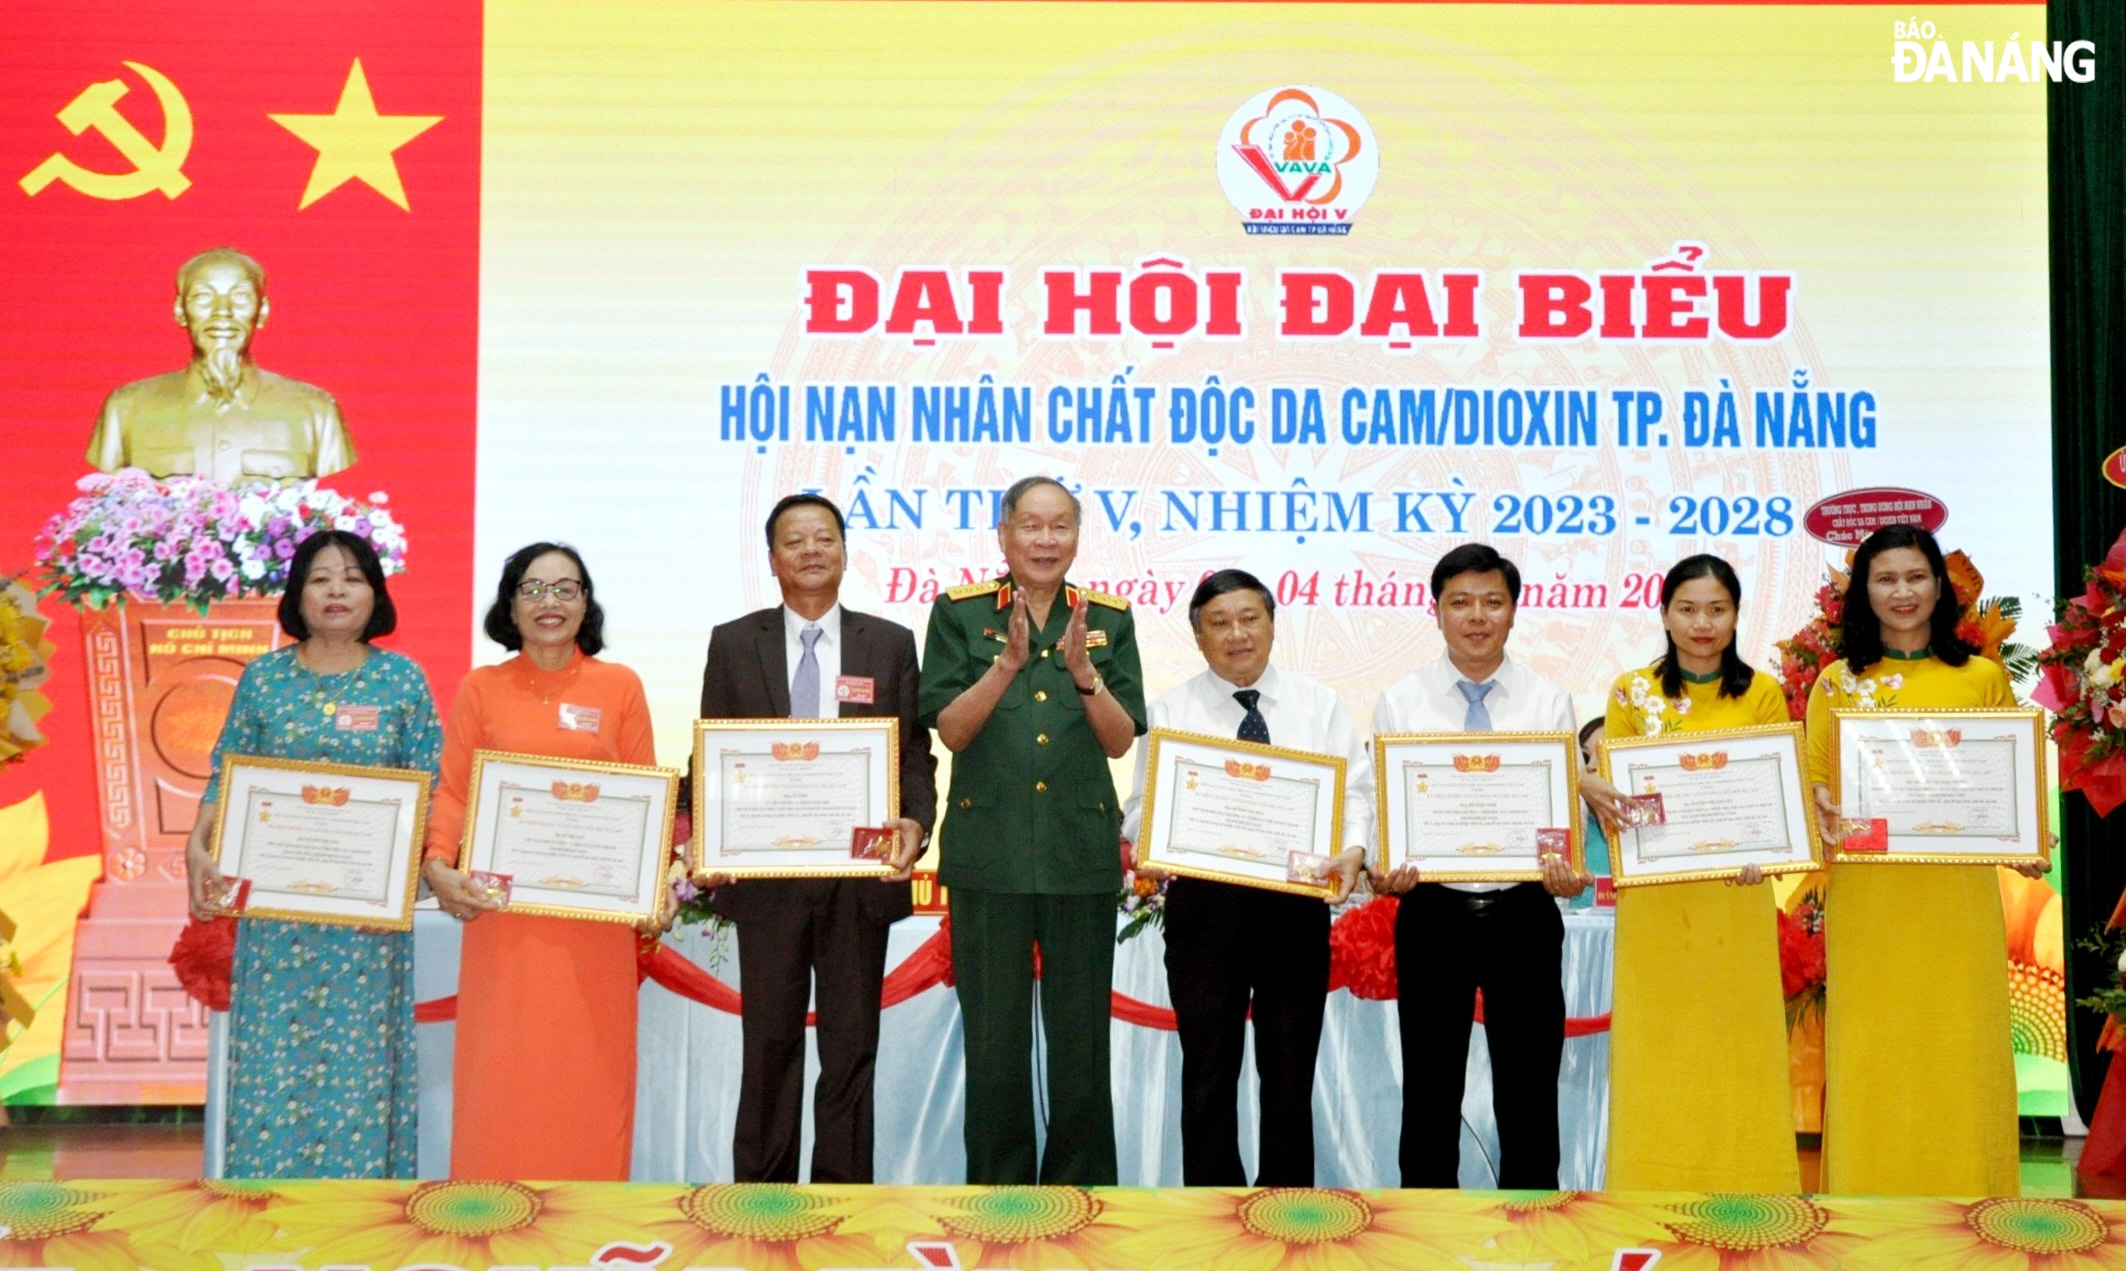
(1034, 685)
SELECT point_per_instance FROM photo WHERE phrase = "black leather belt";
(1477, 902)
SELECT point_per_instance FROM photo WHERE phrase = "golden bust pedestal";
(160, 678)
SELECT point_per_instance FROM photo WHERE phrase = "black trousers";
(993, 939)
(1229, 948)
(1511, 944)
(811, 936)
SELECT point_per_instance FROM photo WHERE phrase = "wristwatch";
(1099, 686)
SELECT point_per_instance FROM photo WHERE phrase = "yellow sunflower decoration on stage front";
(1752, 1232)
(1575, 1231)
(2029, 1233)
(39, 900)
(186, 1224)
(1026, 1228)
(51, 1224)
(463, 1223)
(25, 664)
(763, 1227)
(1313, 1229)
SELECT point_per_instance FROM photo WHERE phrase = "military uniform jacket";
(1032, 808)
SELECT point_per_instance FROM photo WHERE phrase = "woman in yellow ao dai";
(1699, 1098)
(1919, 1067)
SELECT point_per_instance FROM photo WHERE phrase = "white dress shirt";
(827, 651)
(1301, 715)
(1427, 701)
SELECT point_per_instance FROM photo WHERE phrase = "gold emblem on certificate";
(316, 842)
(1719, 801)
(1478, 807)
(1239, 812)
(1961, 787)
(570, 837)
(796, 798)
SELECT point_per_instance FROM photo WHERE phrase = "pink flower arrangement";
(190, 540)
(1142, 900)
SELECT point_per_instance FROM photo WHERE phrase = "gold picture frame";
(260, 782)
(1237, 761)
(774, 739)
(567, 785)
(1455, 752)
(2023, 725)
(1714, 750)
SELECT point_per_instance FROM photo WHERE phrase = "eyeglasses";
(565, 591)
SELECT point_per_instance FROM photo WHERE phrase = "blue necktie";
(1478, 720)
(1253, 727)
(804, 688)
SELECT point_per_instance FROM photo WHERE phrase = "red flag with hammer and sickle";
(338, 146)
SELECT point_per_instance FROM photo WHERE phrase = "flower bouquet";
(193, 541)
(1801, 959)
(2109, 997)
(1141, 902)
(1819, 642)
(692, 909)
(2080, 682)
(24, 667)
(1804, 981)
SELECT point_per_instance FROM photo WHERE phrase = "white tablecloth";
(688, 1066)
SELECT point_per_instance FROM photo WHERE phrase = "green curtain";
(2087, 133)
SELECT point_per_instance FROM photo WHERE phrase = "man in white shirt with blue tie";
(1230, 948)
(1453, 938)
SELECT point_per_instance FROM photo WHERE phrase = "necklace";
(557, 681)
(327, 703)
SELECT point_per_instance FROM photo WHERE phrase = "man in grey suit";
(807, 658)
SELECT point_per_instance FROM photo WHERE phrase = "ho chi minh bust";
(222, 416)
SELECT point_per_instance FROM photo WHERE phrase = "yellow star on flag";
(354, 143)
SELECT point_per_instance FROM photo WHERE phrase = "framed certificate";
(574, 838)
(1729, 798)
(1239, 812)
(321, 842)
(1943, 787)
(793, 798)
(1478, 807)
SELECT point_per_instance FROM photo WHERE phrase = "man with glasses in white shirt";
(1452, 939)
(1232, 949)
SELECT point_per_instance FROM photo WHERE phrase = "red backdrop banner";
(135, 135)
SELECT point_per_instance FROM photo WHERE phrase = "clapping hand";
(1075, 659)
(1018, 639)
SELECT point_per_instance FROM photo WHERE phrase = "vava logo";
(1297, 160)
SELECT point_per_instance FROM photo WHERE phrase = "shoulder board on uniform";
(1102, 598)
(967, 591)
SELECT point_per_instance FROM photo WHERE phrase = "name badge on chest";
(580, 719)
(857, 690)
(357, 719)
